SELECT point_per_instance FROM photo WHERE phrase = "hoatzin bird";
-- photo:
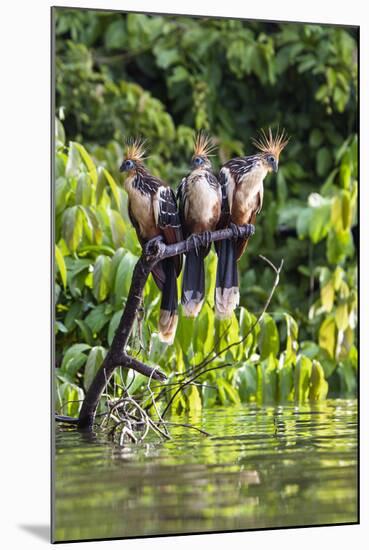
(241, 180)
(153, 211)
(200, 200)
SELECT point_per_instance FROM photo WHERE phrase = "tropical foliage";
(120, 75)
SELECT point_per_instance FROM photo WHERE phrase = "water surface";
(262, 466)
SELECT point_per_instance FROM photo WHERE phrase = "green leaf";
(194, 399)
(302, 378)
(124, 277)
(73, 162)
(285, 378)
(113, 325)
(319, 386)
(94, 361)
(267, 380)
(86, 331)
(69, 399)
(339, 246)
(246, 382)
(83, 191)
(327, 295)
(292, 330)
(209, 395)
(72, 228)
(88, 162)
(101, 278)
(342, 317)
(113, 187)
(319, 224)
(61, 266)
(268, 338)
(61, 193)
(92, 226)
(118, 227)
(323, 161)
(97, 318)
(327, 335)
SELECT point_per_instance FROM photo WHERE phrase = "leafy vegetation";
(119, 75)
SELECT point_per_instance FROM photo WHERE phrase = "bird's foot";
(196, 240)
(206, 238)
(250, 230)
(235, 230)
(152, 247)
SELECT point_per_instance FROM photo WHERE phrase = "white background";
(25, 279)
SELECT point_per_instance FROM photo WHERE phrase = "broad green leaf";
(69, 399)
(203, 333)
(73, 163)
(291, 336)
(194, 399)
(113, 325)
(61, 194)
(94, 361)
(268, 338)
(88, 162)
(339, 246)
(86, 331)
(319, 386)
(327, 335)
(341, 317)
(285, 378)
(61, 266)
(327, 295)
(101, 278)
(97, 318)
(124, 277)
(118, 227)
(267, 380)
(113, 187)
(302, 378)
(209, 395)
(92, 227)
(72, 227)
(246, 382)
(84, 190)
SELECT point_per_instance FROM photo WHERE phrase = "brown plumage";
(200, 205)
(153, 212)
(241, 181)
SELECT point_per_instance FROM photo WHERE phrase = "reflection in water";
(261, 467)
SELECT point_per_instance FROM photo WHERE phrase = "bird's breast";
(142, 210)
(203, 203)
(246, 195)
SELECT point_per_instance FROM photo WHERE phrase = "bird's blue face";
(272, 162)
(127, 165)
(197, 162)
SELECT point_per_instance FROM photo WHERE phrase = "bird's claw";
(194, 238)
(206, 236)
(152, 246)
(238, 234)
(235, 230)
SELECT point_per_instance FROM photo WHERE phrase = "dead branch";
(155, 251)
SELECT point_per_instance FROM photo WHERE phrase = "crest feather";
(203, 145)
(269, 144)
(136, 149)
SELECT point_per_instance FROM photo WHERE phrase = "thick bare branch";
(155, 251)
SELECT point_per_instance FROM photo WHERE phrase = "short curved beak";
(122, 169)
(275, 166)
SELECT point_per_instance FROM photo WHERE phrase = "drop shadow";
(40, 531)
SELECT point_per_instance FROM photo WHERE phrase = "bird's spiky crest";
(135, 149)
(269, 144)
(203, 145)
